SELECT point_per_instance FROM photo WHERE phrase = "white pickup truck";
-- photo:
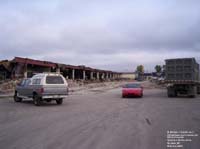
(42, 87)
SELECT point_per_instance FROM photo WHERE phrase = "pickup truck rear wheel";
(16, 98)
(37, 100)
(59, 101)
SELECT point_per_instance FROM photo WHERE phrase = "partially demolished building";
(24, 67)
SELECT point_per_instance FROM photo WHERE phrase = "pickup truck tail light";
(41, 90)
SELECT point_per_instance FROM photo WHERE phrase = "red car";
(133, 90)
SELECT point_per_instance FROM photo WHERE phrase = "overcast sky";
(107, 34)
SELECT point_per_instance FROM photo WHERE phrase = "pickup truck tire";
(59, 101)
(16, 98)
(37, 100)
(48, 100)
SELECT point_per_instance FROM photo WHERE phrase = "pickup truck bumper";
(53, 96)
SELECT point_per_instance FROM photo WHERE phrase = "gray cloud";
(105, 34)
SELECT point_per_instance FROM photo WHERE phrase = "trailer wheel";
(175, 94)
(198, 89)
(172, 95)
(171, 92)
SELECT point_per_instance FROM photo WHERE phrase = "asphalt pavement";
(99, 120)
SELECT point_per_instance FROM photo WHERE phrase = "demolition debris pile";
(8, 86)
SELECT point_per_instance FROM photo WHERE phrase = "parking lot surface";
(99, 120)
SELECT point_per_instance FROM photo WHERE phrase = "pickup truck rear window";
(54, 80)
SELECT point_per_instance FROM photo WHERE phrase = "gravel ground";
(99, 119)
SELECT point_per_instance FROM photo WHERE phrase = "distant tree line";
(158, 69)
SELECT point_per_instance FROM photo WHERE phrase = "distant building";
(147, 76)
(128, 75)
(24, 67)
